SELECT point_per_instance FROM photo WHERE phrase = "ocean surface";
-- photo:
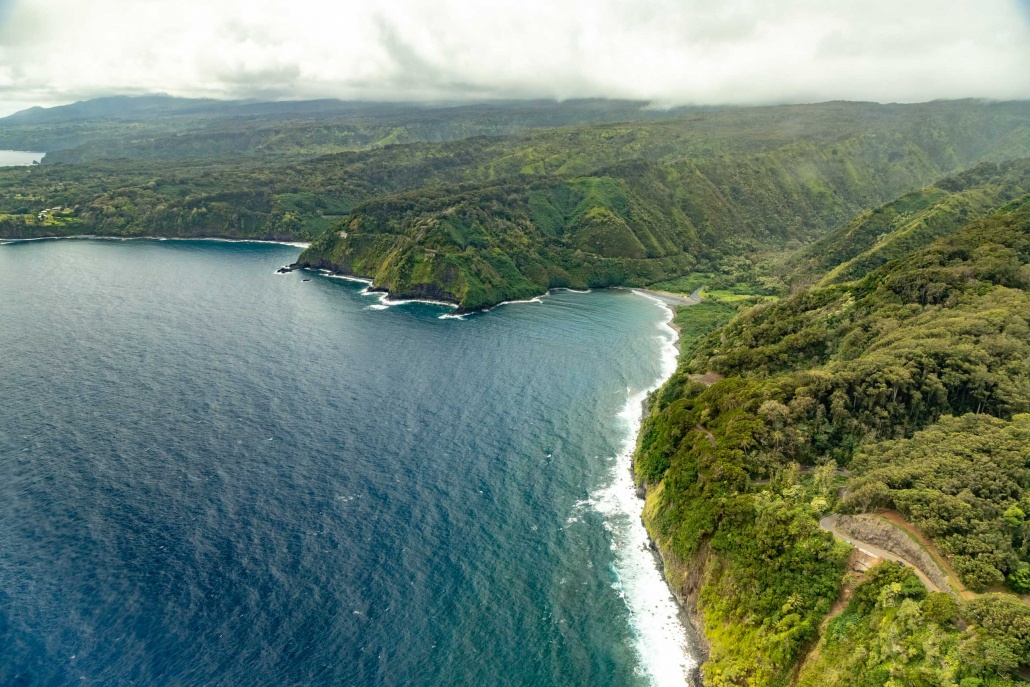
(18, 158)
(214, 475)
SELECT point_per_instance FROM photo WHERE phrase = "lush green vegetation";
(585, 205)
(634, 222)
(846, 374)
(912, 221)
(694, 321)
(965, 483)
(895, 344)
(894, 633)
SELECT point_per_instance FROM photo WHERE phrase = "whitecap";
(295, 244)
(534, 299)
(424, 301)
(346, 277)
(660, 637)
(385, 301)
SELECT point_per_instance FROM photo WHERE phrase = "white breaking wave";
(346, 277)
(295, 244)
(386, 301)
(538, 300)
(661, 638)
(383, 297)
(534, 299)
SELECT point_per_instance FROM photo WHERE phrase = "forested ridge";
(486, 218)
(912, 221)
(636, 221)
(914, 379)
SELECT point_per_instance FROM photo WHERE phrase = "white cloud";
(671, 51)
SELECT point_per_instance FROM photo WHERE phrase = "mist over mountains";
(672, 53)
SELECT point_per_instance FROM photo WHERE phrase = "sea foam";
(661, 638)
(386, 301)
(382, 296)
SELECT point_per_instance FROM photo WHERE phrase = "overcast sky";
(669, 51)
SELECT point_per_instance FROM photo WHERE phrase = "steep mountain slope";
(912, 221)
(829, 161)
(817, 378)
(630, 223)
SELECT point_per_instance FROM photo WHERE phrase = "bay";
(211, 474)
(19, 158)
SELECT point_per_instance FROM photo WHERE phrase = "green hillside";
(631, 223)
(910, 222)
(902, 376)
(744, 174)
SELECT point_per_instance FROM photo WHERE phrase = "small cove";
(19, 158)
(216, 474)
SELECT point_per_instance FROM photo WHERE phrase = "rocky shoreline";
(684, 592)
(670, 300)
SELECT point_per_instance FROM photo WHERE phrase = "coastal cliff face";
(900, 377)
(479, 247)
(752, 567)
(631, 224)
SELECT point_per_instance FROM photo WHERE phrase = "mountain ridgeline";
(912, 221)
(638, 221)
(487, 218)
(165, 128)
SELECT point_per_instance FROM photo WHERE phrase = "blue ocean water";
(214, 475)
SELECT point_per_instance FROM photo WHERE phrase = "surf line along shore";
(668, 643)
(102, 237)
(666, 298)
(668, 646)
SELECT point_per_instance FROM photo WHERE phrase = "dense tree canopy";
(894, 633)
(915, 377)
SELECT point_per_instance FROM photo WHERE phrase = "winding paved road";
(829, 523)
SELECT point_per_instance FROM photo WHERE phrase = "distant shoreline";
(670, 298)
(94, 237)
(697, 648)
